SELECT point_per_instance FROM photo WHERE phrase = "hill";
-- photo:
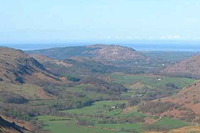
(47, 60)
(21, 77)
(18, 67)
(184, 105)
(96, 52)
(93, 59)
(189, 68)
(189, 98)
(8, 127)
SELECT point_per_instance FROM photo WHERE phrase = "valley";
(99, 89)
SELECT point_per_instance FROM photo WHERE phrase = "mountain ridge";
(98, 52)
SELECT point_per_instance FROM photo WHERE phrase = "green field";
(153, 81)
(123, 127)
(107, 116)
(168, 123)
(59, 125)
(172, 123)
(151, 85)
(66, 125)
(101, 115)
(103, 107)
(96, 112)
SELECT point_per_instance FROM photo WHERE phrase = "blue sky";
(98, 21)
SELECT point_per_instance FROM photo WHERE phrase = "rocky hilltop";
(113, 53)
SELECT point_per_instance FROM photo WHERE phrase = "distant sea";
(140, 46)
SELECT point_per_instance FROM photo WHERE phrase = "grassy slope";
(28, 91)
(171, 123)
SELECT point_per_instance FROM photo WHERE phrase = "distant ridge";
(98, 52)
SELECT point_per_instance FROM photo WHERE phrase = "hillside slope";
(188, 97)
(18, 67)
(8, 127)
(22, 77)
(185, 105)
(189, 67)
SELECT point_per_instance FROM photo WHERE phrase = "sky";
(98, 21)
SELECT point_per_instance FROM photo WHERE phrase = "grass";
(171, 123)
(120, 127)
(158, 85)
(150, 80)
(26, 90)
(89, 92)
(102, 107)
(56, 124)
(102, 111)
(167, 123)
(95, 113)
(133, 113)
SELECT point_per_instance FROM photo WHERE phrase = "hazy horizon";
(137, 45)
(171, 25)
(108, 22)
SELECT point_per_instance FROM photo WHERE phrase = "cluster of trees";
(11, 97)
(103, 86)
(148, 93)
(72, 103)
